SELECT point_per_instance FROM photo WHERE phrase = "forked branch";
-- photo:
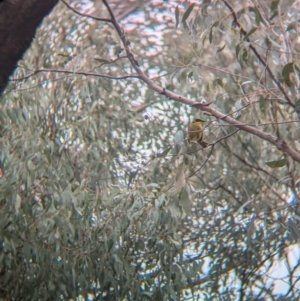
(279, 143)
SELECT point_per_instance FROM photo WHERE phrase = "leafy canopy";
(102, 196)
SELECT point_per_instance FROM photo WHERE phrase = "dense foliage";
(103, 197)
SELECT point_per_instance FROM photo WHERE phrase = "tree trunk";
(19, 20)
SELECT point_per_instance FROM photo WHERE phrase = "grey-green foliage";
(99, 201)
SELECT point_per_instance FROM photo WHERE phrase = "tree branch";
(77, 73)
(85, 15)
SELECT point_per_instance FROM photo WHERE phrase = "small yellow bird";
(196, 133)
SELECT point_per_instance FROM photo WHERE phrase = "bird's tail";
(204, 144)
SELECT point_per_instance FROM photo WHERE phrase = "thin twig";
(86, 15)
(77, 73)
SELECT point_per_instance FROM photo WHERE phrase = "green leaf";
(211, 31)
(242, 55)
(237, 49)
(177, 16)
(276, 164)
(274, 10)
(165, 152)
(102, 60)
(245, 55)
(250, 33)
(208, 87)
(297, 105)
(294, 229)
(263, 104)
(274, 5)
(220, 50)
(118, 50)
(63, 55)
(287, 70)
(18, 201)
(219, 82)
(185, 202)
(292, 25)
(258, 17)
(185, 26)
(30, 165)
(188, 12)
(69, 170)
(176, 243)
(180, 180)
(204, 6)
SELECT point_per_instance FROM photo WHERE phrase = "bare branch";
(77, 73)
(86, 15)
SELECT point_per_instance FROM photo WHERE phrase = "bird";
(195, 133)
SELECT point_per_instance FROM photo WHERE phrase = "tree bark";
(19, 20)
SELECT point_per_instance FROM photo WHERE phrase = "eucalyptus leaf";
(177, 16)
(277, 163)
(187, 13)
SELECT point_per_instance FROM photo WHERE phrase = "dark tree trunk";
(19, 20)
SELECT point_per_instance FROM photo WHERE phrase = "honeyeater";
(196, 133)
